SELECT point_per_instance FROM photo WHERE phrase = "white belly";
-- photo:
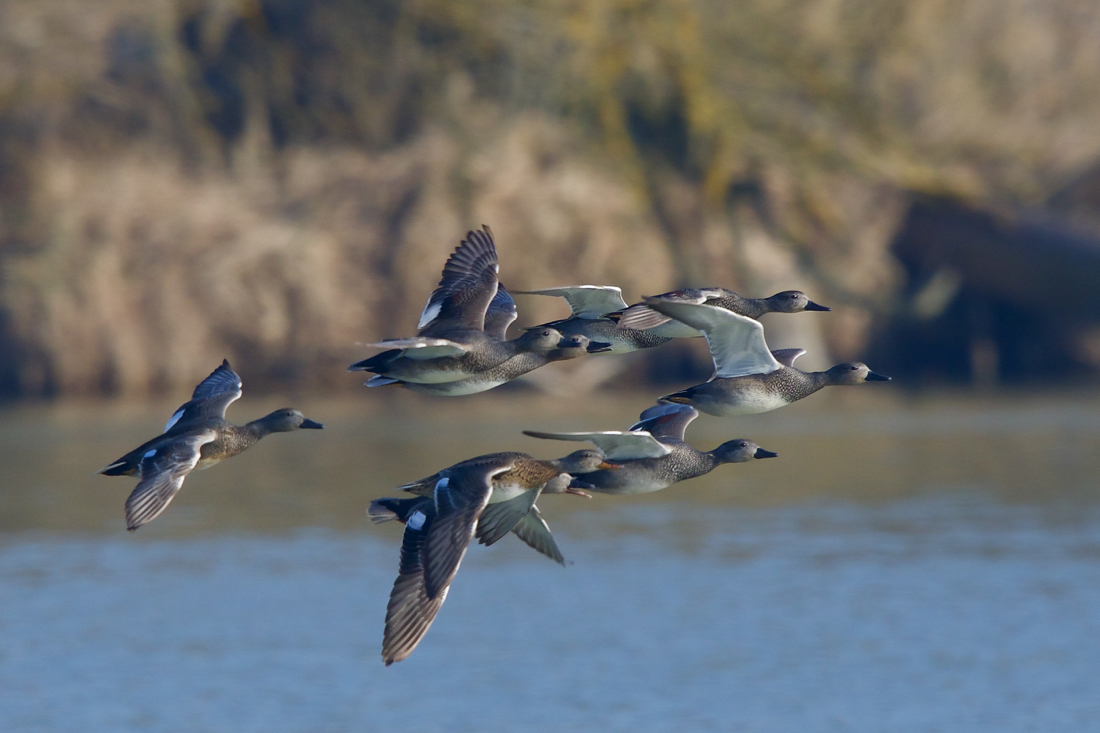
(745, 403)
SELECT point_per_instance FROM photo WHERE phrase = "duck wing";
(209, 400)
(499, 519)
(417, 347)
(460, 497)
(666, 421)
(410, 610)
(615, 444)
(163, 469)
(586, 301)
(736, 342)
(468, 285)
(533, 530)
(501, 313)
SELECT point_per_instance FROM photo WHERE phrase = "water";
(902, 566)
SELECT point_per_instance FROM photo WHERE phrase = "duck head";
(541, 340)
(792, 301)
(286, 420)
(586, 460)
(853, 372)
(740, 450)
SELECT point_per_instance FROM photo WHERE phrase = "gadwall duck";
(748, 377)
(439, 528)
(196, 436)
(599, 312)
(531, 527)
(548, 345)
(652, 454)
(642, 317)
(462, 326)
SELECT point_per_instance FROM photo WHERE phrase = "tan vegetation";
(274, 181)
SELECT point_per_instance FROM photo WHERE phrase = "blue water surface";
(948, 612)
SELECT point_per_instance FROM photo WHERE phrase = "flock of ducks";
(461, 348)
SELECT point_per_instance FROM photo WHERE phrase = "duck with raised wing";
(652, 454)
(483, 497)
(530, 527)
(462, 327)
(748, 377)
(196, 436)
(600, 313)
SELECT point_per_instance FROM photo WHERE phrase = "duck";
(461, 329)
(641, 316)
(483, 497)
(531, 527)
(748, 377)
(599, 312)
(197, 436)
(550, 346)
(652, 455)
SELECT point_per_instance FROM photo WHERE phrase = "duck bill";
(872, 377)
(308, 424)
(812, 306)
(597, 347)
(761, 453)
(609, 466)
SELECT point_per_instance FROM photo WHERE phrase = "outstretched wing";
(417, 347)
(468, 285)
(410, 610)
(586, 301)
(499, 519)
(210, 398)
(163, 470)
(533, 530)
(460, 497)
(616, 445)
(736, 343)
(666, 421)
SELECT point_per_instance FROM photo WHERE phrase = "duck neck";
(815, 380)
(708, 461)
(255, 429)
(753, 307)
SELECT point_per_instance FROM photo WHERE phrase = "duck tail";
(376, 363)
(388, 509)
(682, 397)
(121, 467)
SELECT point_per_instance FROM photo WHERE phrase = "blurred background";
(275, 182)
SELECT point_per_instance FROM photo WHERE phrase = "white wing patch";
(431, 310)
(150, 453)
(416, 519)
(179, 413)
